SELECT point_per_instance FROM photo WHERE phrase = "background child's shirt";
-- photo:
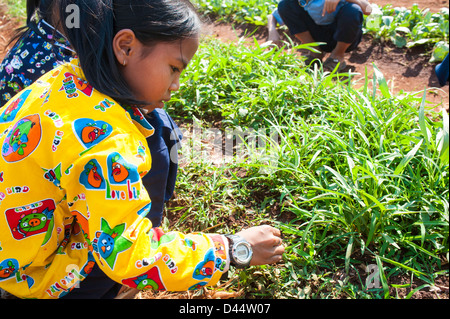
(40, 49)
(71, 194)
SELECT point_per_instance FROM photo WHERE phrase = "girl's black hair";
(43, 8)
(152, 21)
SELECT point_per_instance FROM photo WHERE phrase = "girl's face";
(154, 73)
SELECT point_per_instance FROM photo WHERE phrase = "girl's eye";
(175, 69)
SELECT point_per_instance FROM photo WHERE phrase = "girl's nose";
(175, 86)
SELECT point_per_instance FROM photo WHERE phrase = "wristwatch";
(240, 251)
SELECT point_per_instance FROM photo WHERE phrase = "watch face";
(242, 252)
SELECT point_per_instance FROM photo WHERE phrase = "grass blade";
(382, 277)
(407, 158)
(395, 263)
(382, 84)
(422, 123)
(442, 139)
(348, 254)
(412, 292)
(302, 243)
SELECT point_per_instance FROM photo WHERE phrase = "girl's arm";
(123, 242)
(122, 239)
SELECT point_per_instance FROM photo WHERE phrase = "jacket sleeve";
(112, 213)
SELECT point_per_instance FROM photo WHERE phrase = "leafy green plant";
(409, 27)
(404, 27)
(252, 11)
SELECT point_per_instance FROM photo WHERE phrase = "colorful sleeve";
(112, 214)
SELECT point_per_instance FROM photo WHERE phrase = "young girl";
(74, 153)
(41, 46)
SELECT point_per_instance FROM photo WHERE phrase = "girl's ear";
(125, 46)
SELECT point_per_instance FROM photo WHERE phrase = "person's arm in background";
(364, 5)
(330, 6)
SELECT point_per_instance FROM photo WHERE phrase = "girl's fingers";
(276, 231)
(275, 254)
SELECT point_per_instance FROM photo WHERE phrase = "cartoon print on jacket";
(109, 242)
(219, 246)
(144, 210)
(189, 243)
(119, 170)
(198, 285)
(73, 84)
(83, 222)
(8, 268)
(10, 112)
(139, 119)
(159, 238)
(22, 139)
(92, 176)
(30, 220)
(205, 268)
(90, 132)
(53, 175)
(149, 280)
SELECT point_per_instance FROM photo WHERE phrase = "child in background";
(273, 20)
(41, 46)
(74, 152)
(442, 71)
(338, 23)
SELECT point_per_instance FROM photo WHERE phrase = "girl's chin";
(151, 107)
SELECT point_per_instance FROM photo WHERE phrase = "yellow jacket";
(71, 195)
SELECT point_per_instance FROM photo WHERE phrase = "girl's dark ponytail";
(42, 8)
(32, 5)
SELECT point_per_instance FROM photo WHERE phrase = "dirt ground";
(404, 69)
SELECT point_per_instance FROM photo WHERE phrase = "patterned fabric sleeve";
(123, 241)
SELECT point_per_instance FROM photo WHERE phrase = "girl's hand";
(329, 6)
(266, 244)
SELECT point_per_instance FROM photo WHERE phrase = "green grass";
(250, 11)
(16, 8)
(357, 177)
